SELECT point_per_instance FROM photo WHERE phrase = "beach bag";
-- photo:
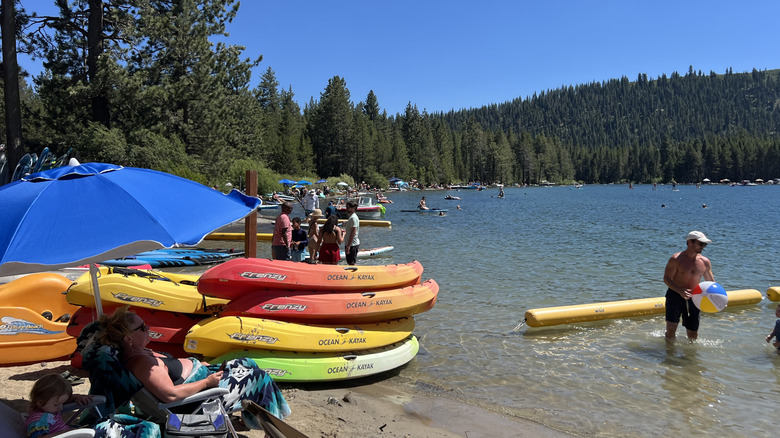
(210, 424)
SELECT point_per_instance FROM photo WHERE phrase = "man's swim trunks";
(677, 306)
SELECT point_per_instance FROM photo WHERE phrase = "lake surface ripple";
(539, 247)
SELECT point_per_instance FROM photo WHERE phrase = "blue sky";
(443, 55)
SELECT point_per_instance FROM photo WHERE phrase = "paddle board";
(239, 276)
(261, 237)
(218, 335)
(364, 222)
(430, 210)
(373, 252)
(148, 289)
(362, 254)
(321, 307)
(287, 366)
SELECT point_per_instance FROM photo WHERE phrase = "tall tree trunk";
(13, 106)
(100, 110)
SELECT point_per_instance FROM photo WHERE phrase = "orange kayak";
(237, 277)
(335, 307)
(34, 316)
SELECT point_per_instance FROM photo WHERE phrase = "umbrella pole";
(93, 271)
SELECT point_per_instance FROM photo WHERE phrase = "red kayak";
(164, 327)
(237, 277)
(336, 307)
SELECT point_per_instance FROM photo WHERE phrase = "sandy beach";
(367, 409)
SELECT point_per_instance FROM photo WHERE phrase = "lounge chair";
(110, 378)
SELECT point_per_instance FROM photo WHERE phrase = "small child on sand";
(776, 331)
(48, 395)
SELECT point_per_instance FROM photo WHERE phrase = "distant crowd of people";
(290, 242)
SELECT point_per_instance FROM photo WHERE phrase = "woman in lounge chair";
(171, 379)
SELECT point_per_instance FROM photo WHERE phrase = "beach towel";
(245, 381)
(126, 426)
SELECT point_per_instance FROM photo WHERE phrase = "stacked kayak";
(34, 316)
(152, 290)
(288, 366)
(168, 303)
(239, 276)
(303, 322)
(219, 335)
(324, 307)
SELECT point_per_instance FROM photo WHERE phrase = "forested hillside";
(680, 127)
(143, 84)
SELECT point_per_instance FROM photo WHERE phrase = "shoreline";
(367, 407)
(386, 405)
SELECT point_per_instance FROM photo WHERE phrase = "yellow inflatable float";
(549, 316)
(773, 293)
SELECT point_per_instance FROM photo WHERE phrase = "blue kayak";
(174, 257)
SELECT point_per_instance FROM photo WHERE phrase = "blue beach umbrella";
(303, 182)
(321, 181)
(74, 215)
(287, 182)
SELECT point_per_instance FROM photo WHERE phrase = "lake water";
(551, 246)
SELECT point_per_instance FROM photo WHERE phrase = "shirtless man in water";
(683, 272)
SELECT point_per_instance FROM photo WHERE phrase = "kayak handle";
(350, 268)
(350, 357)
(342, 330)
(369, 294)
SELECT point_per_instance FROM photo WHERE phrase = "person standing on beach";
(282, 237)
(310, 202)
(330, 210)
(683, 272)
(299, 240)
(351, 240)
(314, 230)
(328, 240)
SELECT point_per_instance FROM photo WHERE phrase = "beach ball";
(710, 297)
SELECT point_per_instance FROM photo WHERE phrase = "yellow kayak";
(267, 237)
(261, 237)
(364, 222)
(218, 335)
(33, 319)
(148, 289)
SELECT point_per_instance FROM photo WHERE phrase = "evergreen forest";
(143, 83)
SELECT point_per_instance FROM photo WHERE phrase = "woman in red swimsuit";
(330, 237)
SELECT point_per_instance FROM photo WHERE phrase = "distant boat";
(366, 209)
